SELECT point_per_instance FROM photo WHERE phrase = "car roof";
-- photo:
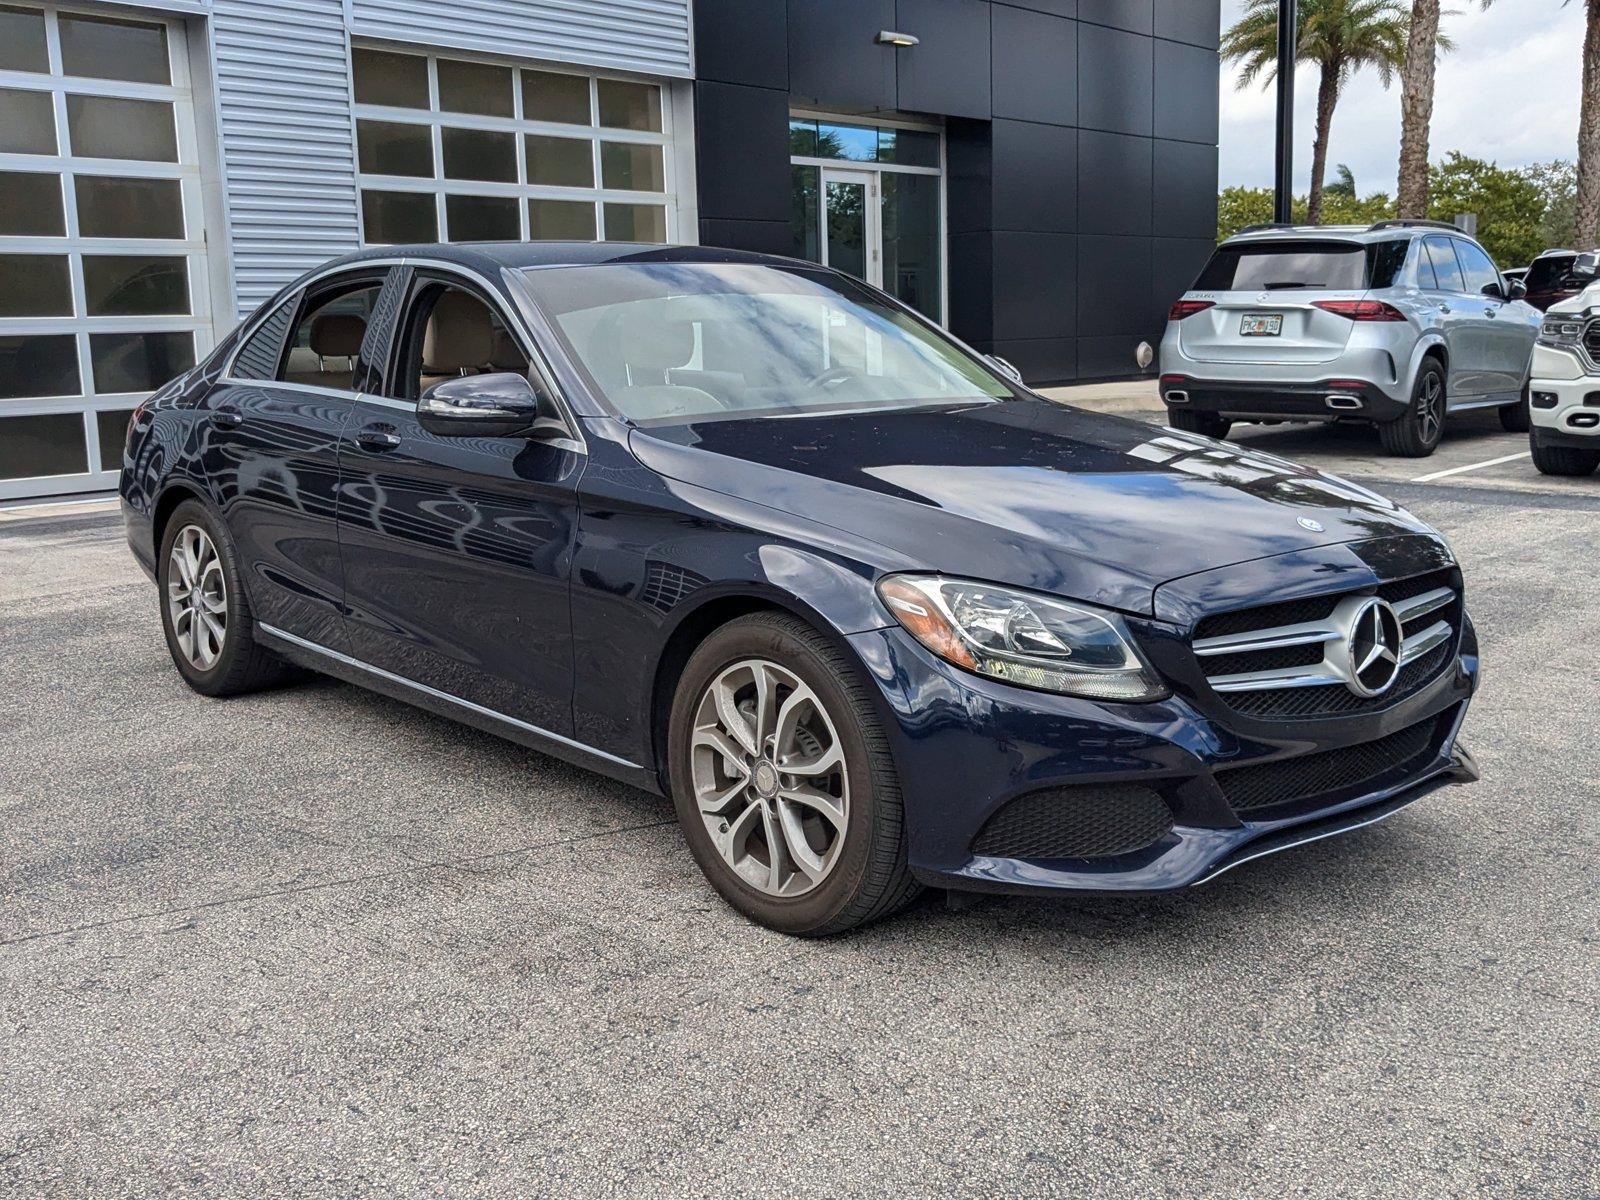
(1382, 231)
(490, 256)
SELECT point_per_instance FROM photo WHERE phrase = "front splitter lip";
(1190, 856)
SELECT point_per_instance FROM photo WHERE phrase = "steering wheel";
(832, 376)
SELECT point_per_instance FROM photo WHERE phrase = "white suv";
(1398, 324)
(1564, 390)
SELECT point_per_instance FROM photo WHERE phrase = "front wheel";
(1211, 425)
(783, 782)
(1417, 432)
(1563, 460)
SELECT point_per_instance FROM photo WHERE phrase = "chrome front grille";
(1591, 339)
(1308, 658)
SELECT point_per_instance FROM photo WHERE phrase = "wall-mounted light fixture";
(889, 37)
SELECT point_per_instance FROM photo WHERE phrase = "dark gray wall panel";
(969, 179)
(1114, 174)
(1186, 90)
(764, 237)
(971, 315)
(1056, 8)
(742, 41)
(1112, 355)
(1185, 193)
(1116, 86)
(1035, 73)
(834, 61)
(742, 152)
(948, 72)
(1035, 174)
(1175, 265)
(1196, 21)
(1042, 361)
(1033, 285)
(1135, 15)
(1113, 285)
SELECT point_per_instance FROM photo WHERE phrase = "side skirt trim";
(445, 697)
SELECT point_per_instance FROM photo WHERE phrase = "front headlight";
(1022, 637)
(1562, 329)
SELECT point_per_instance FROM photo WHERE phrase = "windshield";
(670, 342)
(1333, 266)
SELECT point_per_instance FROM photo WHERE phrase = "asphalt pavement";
(318, 943)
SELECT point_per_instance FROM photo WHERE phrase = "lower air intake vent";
(1367, 765)
(1075, 822)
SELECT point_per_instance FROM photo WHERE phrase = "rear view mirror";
(503, 404)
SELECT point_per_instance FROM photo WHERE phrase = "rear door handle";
(227, 418)
(377, 440)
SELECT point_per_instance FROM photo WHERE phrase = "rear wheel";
(1514, 418)
(204, 614)
(1563, 460)
(1416, 434)
(1212, 425)
(783, 782)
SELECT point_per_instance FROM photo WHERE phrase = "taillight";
(1360, 310)
(1188, 308)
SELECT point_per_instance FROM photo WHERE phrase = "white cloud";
(1509, 92)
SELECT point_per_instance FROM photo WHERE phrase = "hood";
(1589, 297)
(1028, 492)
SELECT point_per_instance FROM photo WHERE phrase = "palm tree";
(1588, 214)
(1341, 37)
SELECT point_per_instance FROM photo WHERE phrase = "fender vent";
(1091, 821)
(665, 585)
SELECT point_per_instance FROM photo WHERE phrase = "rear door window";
(1445, 268)
(1480, 272)
(1273, 266)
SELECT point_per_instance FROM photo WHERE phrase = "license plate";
(1261, 325)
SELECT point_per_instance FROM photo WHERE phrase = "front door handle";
(377, 440)
(1490, 312)
(227, 418)
(1444, 308)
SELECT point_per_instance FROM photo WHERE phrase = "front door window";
(868, 200)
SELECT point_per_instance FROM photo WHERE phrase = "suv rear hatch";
(1262, 294)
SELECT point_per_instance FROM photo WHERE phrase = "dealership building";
(1038, 175)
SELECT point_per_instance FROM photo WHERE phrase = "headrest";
(337, 335)
(656, 343)
(459, 335)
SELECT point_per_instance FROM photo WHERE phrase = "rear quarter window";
(1330, 266)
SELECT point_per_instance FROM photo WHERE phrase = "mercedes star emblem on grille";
(1369, 658)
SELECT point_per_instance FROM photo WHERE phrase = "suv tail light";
(1361, 310)
(1188, 308)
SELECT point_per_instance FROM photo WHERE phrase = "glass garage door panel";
(103, 293)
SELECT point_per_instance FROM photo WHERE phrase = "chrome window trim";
(538, 361)
(435, 693)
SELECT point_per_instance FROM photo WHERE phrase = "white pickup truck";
(1564, 384)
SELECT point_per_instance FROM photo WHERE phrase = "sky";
(1509, 93)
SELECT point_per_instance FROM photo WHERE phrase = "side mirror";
(503, 404)
(1005, 368)
(1584, 268)
(1518, 289)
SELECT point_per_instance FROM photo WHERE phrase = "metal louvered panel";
(649, 36)
(288, 149)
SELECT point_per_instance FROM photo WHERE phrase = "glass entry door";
(852, 235)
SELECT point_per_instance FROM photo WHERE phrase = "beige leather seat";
(330, 359)
(459, 339)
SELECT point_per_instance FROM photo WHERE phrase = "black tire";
(869, 879)
(1418, 432)
(243, 665)
(1207, 424)
(1563, 460)
(1514, 418)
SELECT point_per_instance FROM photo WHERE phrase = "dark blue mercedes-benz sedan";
(752, 534)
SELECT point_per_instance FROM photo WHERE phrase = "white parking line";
(1493, 462)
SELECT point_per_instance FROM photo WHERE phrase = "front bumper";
(1564, 400)
(966, 747)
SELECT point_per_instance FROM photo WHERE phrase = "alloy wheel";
(197, 598)
(770, 778)
(1430, 406)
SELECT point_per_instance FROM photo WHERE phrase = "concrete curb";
(1136, 396)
